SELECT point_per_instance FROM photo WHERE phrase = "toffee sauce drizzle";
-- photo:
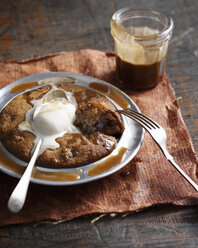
(109, 163)
(110, 92)
(60, 176)
(37, 174)
(23, 86)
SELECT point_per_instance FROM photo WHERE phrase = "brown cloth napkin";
(147, 180)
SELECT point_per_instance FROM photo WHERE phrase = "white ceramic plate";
(131, 139)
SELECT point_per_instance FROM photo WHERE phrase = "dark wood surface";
(35, 28)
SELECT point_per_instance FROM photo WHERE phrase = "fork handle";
(170, 159)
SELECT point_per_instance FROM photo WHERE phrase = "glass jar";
(141, 36)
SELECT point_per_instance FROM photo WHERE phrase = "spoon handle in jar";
(18, 196)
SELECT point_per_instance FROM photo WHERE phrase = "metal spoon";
(18, 196)
(57, 93)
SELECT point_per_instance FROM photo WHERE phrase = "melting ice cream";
(53, 120)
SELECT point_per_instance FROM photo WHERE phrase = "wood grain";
(161, 226)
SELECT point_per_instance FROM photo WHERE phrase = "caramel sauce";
(114, 95)
(60, 176)
(9, 163)
(108, 163)
(54, 176)
(23, 86)
(138, 77)
(37, 174)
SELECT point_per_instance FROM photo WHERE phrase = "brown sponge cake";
(95, 112)
(96, 118)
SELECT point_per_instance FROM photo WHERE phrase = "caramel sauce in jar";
(138, 77)
(108, 163)
(141, 35)
(23, 86)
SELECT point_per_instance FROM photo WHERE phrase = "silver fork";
(159, 135)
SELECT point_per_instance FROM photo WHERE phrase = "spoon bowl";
(52, 94)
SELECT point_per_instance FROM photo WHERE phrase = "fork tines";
(143, 120)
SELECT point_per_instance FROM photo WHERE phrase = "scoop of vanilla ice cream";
(52, 120)
(54, 117)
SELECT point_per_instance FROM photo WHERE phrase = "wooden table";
(34, 28)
